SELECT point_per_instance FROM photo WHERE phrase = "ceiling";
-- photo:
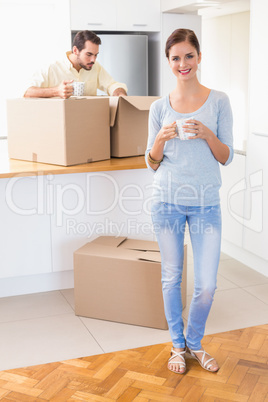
(206, 8)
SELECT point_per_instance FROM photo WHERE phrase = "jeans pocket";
(215, 209)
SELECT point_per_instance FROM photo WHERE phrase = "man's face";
(87, 57)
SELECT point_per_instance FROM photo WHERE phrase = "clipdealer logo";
(253, 196)
(130, 226)
(65, 200)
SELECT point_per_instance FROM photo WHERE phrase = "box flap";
(109, 252)
(152, 256)
(121, 248)
(140, 102)
(111, 241)
(142, 245)
(113, 100)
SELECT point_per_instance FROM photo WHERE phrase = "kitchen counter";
(14, 167)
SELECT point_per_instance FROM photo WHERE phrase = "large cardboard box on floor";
(129, 124)
(59, 131)
(119, 279)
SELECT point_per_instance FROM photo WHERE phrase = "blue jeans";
(204, 223)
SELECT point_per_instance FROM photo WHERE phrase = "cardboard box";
(59, 131)
(129, 124)
(119, 279)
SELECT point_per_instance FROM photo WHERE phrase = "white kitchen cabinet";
(232, 195)
(25, 245)
(258, 67)
(93, 15)
(256, 226)
(139, 15)
(115, 15)
(256, 223)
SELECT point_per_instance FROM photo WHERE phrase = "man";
(78, 65)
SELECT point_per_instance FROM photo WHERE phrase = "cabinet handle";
(94, 23)
(140, 25)
(261, 134)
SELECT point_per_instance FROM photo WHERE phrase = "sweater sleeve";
(154, 126)
(225, 126)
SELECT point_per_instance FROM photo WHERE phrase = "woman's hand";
(220, 151)
(199, 129)
(167, 133)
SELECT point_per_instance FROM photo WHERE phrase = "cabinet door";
(232, 195)
(256, 201)
(258, 63)
(256, 230)
(139, 15)
(93, 15)
(25, 244)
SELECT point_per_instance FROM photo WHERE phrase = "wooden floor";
(141, 375)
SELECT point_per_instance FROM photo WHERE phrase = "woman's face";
(183, 60)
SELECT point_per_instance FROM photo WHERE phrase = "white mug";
(182, 134)
(78, 88)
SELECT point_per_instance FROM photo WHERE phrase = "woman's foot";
(176, 362)
(204, 359)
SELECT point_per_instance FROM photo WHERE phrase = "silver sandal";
(203, 364)
(181, 362)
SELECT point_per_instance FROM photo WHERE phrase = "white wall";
(32, 33)
(225, 65)
(170, 22)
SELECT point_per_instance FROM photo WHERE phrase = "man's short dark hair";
(81, 38)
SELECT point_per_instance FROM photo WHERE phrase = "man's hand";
(119, 92)
(65, 89)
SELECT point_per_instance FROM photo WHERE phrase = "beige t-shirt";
(96, 78)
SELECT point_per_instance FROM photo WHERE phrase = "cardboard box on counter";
(59, 131)
(119, 279)
(129, 124)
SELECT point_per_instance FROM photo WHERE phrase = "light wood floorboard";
(141, 374)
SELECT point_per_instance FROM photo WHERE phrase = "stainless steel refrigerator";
(125, 57)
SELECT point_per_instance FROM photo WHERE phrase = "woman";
(186, 189)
